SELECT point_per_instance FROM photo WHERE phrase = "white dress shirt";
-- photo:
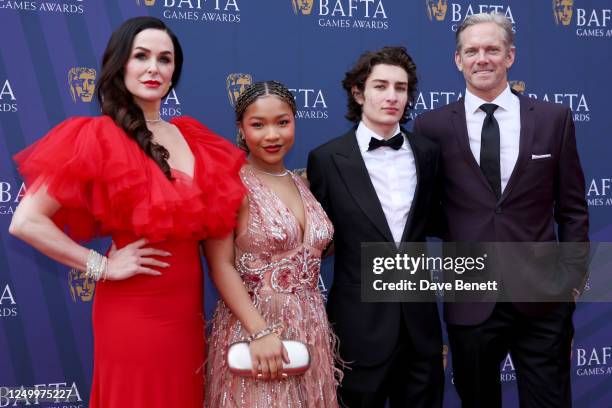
(393, 174)
(508, 116)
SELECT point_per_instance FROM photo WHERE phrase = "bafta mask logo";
(563, 11)
(82, 82)
(518, 86)
(236, 84)
(436, 9)
(303, 7)
(146, 2)
(81, 286)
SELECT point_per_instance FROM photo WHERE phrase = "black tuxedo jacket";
(339, 179)
(541, 192)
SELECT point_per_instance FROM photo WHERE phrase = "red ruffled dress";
(149, 347)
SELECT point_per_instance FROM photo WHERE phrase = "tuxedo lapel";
(354, 173)
(419, 161)
(460, 125)
(525, 143)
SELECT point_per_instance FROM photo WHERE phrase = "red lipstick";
(152, 84)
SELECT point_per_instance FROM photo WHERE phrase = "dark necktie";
(489, 148)
(395, 142)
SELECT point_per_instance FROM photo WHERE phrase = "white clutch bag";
(239, 358)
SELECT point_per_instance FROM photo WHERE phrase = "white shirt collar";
(504, 100)
(364, 134)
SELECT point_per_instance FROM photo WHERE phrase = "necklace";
(281, 174)
(156, 120)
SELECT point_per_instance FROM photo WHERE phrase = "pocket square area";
(539, 156)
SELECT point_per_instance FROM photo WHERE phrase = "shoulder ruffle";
(65, 161)
(105, 183)
(217, 174)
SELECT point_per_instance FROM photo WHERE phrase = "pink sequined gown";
(281, 273)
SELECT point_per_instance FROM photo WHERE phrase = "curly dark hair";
(257, 90)
(117, 102)
(360, 72)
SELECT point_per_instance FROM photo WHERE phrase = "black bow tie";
(395, 142)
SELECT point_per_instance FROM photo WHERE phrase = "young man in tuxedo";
(375, 183)
(510, 172)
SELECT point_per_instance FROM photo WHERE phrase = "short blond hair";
(496, 18)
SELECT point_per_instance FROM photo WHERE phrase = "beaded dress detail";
(279, 265)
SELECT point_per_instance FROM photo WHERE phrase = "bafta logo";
(436, 9)
(82, 82)
(303, 7)
(81, 286)
(563, 11)
(146, 2)
(518, 86)
(236, 84)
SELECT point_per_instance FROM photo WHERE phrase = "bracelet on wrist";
(276, 328)
(96, 266)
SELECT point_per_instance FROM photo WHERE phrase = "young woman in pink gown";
(157, 188)
(267, 274)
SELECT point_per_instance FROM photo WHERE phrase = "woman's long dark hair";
(117, 102)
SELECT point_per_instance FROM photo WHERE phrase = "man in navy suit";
(509, 172)
(376, 183)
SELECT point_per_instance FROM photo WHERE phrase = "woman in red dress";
(157, 188)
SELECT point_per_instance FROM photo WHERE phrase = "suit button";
(498, 210)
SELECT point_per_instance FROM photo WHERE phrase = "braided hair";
(255, 91)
